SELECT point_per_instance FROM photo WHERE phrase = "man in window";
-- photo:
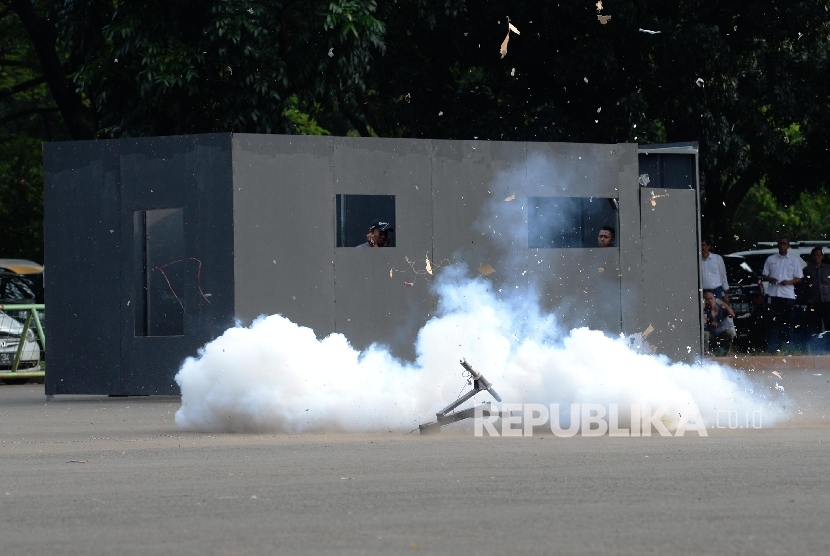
(606, 237)
(378, 235)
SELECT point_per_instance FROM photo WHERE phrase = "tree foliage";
(746, 79)
(762, 217)
(178, 66)
(21, 198)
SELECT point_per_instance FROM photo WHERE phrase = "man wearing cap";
(378, 235)
(782, 271)
(712, 271)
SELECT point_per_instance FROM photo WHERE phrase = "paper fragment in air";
(486, 270)
(503, 49)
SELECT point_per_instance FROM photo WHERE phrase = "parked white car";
(10, 331)
(801, 249)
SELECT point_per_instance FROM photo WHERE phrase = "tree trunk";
(43, 35)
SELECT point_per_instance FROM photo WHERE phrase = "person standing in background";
(816, 286)
(712, 271)
(783, 272)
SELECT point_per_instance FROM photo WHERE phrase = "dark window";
(560, 222)
(158, 237)
(667, 171)
(356, 213)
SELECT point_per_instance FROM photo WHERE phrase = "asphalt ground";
(98, 475)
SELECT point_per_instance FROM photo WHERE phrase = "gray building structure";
(155, 246)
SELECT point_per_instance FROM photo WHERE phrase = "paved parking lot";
(98, 475)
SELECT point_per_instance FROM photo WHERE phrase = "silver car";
(10, 331)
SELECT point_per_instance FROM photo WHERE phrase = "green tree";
(747, 79)
(226, 65)
(21, 198)
(761, 216)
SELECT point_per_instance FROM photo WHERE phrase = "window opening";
(570, 222)
(158, 239)
(358, 216)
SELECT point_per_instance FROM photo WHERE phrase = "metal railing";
(31, 311)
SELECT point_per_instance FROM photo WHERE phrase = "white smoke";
(278, 376)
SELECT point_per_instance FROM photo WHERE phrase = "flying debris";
(511, 198)
(331, 52)
(448, 415)
(486, 270)
(604, 18)
(699, 82)
(510, 27)
(650, 32)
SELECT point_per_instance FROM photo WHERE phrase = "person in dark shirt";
(816, 285)
(716, 331)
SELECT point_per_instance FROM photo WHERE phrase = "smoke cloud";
(276, 376)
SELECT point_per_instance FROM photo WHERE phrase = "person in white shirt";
(712, 271)
(783, 272)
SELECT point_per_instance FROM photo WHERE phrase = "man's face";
(383, 238)
(378, 238)
(605, 239)
(817, 257)
(783, 246)
(709, 300)
(704, 249)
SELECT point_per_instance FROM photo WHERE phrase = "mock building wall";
(93, 271)
(450, 206)
(259, 216)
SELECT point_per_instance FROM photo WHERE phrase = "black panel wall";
(83, 268)
(113, 211)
